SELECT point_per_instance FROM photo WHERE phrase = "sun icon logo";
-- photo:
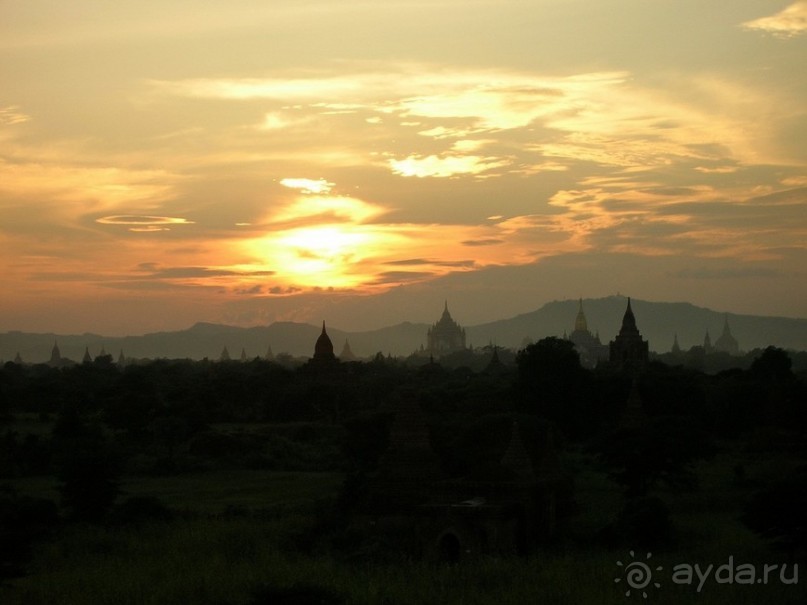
(637, 575)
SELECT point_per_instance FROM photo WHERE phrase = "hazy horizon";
(660, 322)
(163, 164)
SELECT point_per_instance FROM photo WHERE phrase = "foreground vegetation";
(256, 537)
(227, 483)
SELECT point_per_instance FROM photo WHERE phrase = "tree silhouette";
(664, 449)
(23, 521)
(87, 466)
(779, 512)
(553, 384)
(774, 364)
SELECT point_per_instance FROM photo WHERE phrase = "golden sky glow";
(166, 163)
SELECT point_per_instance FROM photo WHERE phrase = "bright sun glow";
(308, 185)
(324, 256)
(343, 208)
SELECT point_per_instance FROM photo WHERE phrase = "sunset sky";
(164, 162)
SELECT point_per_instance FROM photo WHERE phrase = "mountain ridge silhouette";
(659, 322)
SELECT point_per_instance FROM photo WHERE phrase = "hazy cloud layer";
(200, 157)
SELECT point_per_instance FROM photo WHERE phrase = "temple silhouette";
(323, 348)
(629, 350)
(446, 336)
(587, 345)
(725, 343)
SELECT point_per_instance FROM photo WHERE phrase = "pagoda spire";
(446, 314)
(55, 354)
(323, 348)
(629, 349)
(628, 320)
(726, 329)
(580, 323)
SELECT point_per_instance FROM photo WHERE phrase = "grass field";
(232, 561)
(235, 544)
(214, 491)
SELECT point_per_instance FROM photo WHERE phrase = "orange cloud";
(445, 166)
(787, 23)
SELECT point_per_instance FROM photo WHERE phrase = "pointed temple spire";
(726, 343)
(347, 353)
(628, 350)
(55, 355)
(580, 323)
(676, 348)
(323, 348)
(446, 336)
(588, 346)
(629, 321)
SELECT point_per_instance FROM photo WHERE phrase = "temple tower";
(726, 343)
(446, 336)
(628, 349)
(323, 348)
(588, 346)
(55, 356)
(347, 354)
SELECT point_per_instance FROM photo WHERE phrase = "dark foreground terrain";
(232, 483)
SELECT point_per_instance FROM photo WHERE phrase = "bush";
(88, 466)
(642, 523)
(23, 520)
(779, 512)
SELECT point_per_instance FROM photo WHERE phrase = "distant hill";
(205, 340)
(658, 322)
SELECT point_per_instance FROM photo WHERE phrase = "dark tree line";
(162, 417)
